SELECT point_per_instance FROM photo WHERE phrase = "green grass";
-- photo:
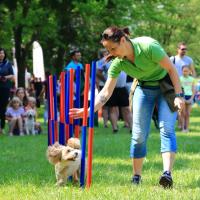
(26, 174)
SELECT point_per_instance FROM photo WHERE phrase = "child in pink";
(14, 115)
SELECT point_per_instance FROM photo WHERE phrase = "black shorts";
(119, 98)
(187, 97)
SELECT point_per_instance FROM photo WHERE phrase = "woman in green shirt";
(144, 59)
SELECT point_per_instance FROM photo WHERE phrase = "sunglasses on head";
(105, 36)
(114, 37)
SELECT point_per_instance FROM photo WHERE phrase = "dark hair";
(185, 66)
(114, 33)
(47, 74)
(126, 31)
(2, 49)
(25, 100)
(73, 52)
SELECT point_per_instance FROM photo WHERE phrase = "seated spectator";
(21, 94)
(14, 115)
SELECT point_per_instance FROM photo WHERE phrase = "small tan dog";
(66, 159)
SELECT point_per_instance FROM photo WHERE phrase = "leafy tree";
(60, 25)
(24, 19)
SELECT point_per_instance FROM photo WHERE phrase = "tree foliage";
(60, 25)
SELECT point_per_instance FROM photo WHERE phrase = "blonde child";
(14, 115)
(31, 103)
(188, 84)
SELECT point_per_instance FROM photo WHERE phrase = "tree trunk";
(20, 55)
(59, 62)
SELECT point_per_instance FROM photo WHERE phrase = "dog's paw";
(75, 182)
(75, 177)
(60, 184)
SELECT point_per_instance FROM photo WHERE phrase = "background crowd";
(16, 103)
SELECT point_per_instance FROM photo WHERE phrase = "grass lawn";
(26, 174)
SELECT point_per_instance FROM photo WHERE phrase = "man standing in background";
(181, 60)
(75, 56)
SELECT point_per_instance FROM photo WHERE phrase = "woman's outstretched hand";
(76, 113)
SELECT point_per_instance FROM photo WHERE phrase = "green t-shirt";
(147, 55)
(187, 83)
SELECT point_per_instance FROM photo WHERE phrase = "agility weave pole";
(71, 101)
(62, 109)
(91, 126)
(55, 107)
(68, 126)
(84, 127)
(66, 105)
(51, 135)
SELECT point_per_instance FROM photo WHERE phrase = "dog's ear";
(53, 154)
(56, 144)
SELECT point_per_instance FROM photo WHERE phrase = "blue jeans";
(144, 100)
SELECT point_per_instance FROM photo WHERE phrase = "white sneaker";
(11, 134)
(21, 134)
(186, 130)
